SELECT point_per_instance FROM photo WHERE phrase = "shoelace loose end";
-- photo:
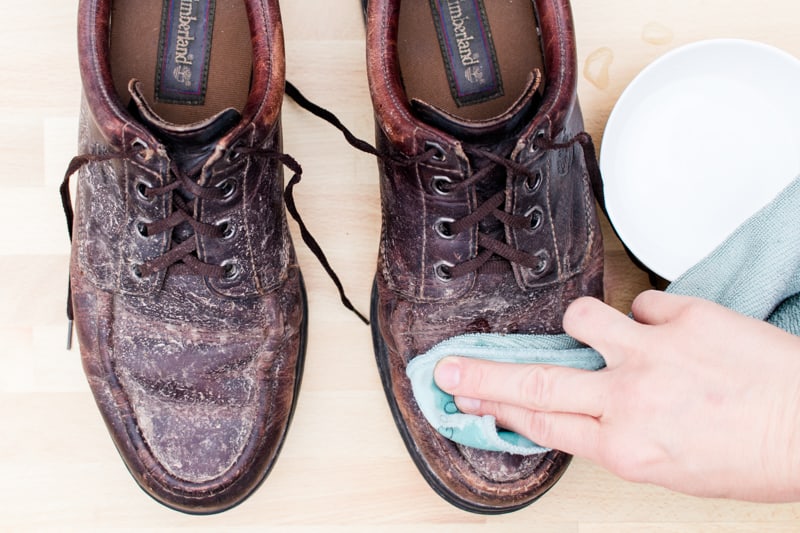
(70, 324)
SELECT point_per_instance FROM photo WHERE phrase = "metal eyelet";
(544, 262)
(233, 154)
(141, 190)
(443, 272)
(228, 187)
(440, 185)
(532, 147)
(537, 217)
(143, 151)
(227, 229)
(537, 182)
(141, 228)
(139, 144)
(443, 229)
(231, 270)
(440, 156)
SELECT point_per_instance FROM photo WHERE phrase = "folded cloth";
(481, 432)
(755, 271)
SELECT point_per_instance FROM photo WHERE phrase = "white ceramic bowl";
(700, 140)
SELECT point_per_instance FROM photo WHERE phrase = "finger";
(656, 307)
(602, 327)
(532, 386)
(571, 433)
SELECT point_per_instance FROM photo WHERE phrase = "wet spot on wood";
(657, 34)
(597, 65)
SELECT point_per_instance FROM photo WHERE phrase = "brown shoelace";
(181, 258)
(493, 255)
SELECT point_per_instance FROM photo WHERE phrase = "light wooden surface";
(343, 465)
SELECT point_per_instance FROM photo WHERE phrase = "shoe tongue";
(184, 140)
(507, 122)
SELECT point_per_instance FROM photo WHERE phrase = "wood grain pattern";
(343, 466)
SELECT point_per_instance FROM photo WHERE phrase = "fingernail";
(447, 374)
(467, 405)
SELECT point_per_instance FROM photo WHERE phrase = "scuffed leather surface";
(195, 378)
(415, 310)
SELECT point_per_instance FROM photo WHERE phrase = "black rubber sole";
(382, 358)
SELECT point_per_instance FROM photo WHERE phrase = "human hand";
(695, 397)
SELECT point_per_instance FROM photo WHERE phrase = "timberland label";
(465, 39)
(184, 50)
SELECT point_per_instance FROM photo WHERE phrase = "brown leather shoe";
(187, 296)
(489, 220)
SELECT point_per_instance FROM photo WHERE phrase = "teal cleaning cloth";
(755, 271)
(481, 432)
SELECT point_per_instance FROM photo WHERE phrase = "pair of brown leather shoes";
(186, 292)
